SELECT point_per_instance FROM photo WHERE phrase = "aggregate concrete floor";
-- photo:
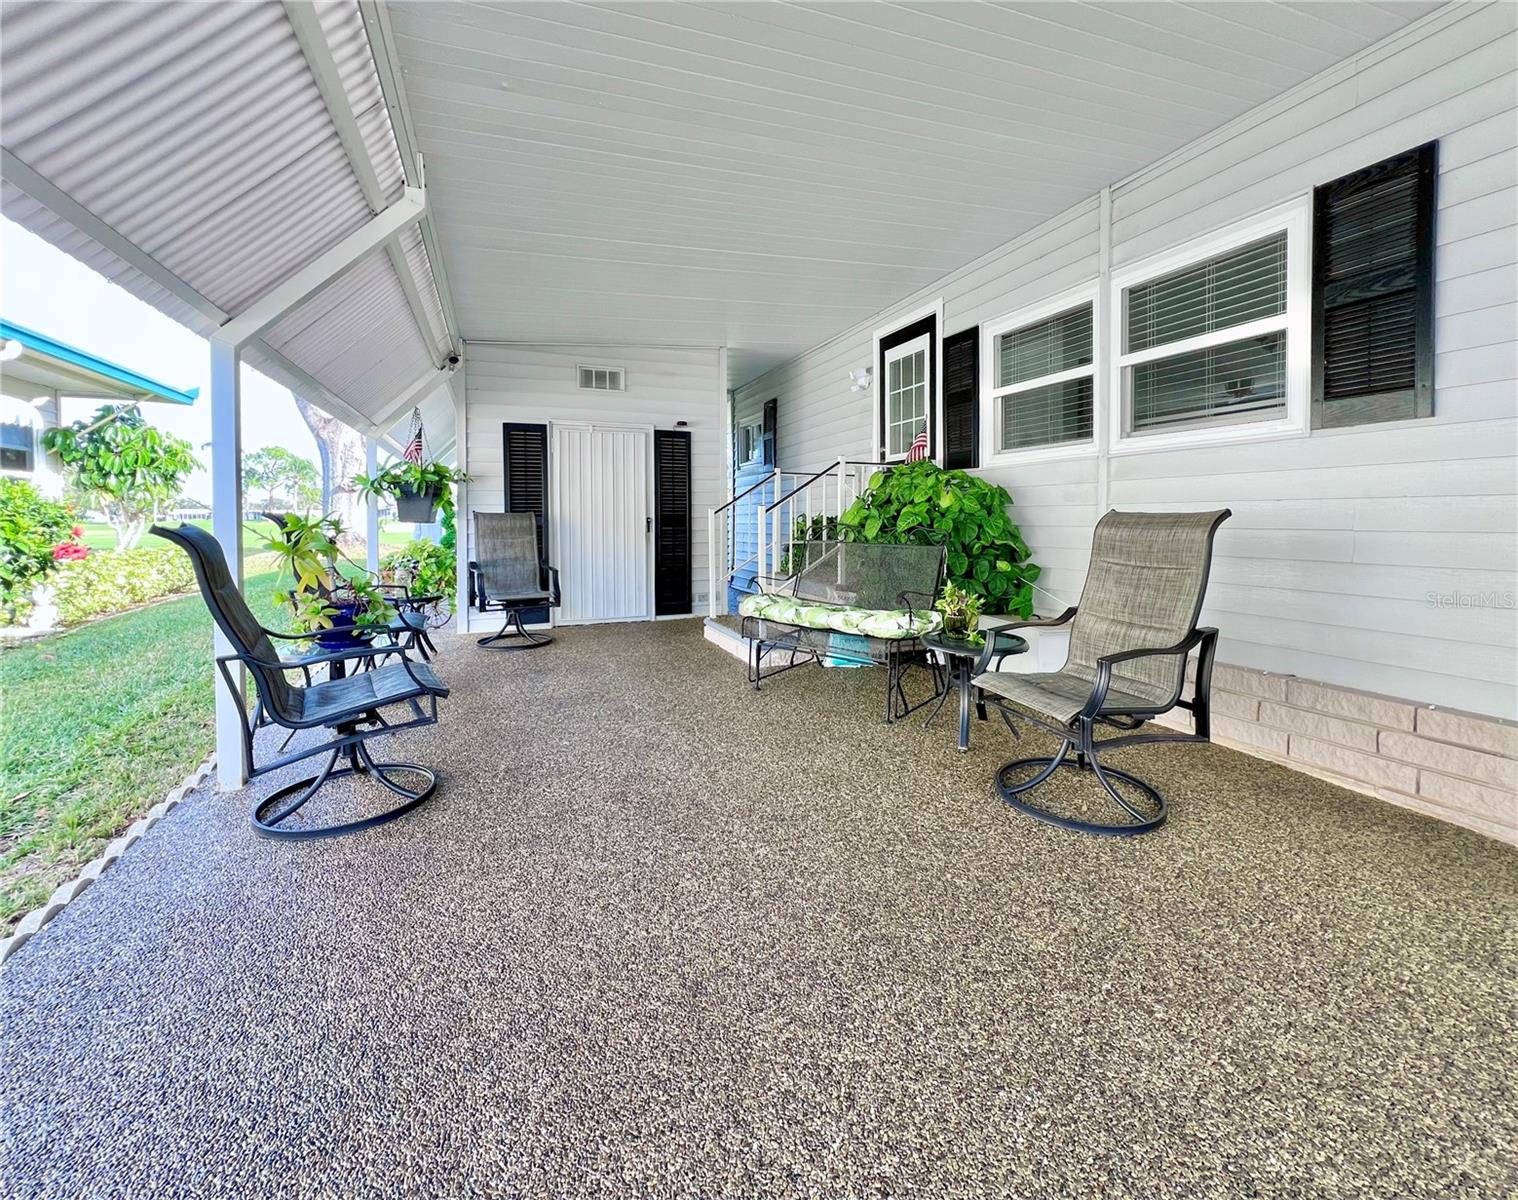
(660, 936)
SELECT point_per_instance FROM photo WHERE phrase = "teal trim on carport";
(62, 352)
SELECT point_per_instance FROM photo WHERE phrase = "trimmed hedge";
(112, 581)
(109, 581)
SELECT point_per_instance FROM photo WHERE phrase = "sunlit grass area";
(96, 724)
(99, 536)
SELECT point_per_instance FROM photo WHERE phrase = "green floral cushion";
(866, 622)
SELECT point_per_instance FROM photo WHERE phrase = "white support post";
(371, 507)
(462, 524)
(226, 524)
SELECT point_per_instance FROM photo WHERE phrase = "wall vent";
(602, 379)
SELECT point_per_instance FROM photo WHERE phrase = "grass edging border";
(67, 892)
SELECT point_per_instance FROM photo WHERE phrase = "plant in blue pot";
(339, 608)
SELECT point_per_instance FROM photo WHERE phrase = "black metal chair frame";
(1081, 750)
(353, 727)
(399, 594)
(897, 655)
(513, 629)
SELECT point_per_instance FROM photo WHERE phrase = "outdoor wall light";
(859, 381)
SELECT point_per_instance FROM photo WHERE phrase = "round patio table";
(961, 656)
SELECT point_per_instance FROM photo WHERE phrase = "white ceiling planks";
(765, 175)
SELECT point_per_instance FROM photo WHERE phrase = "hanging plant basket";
(417, 505)
(420, 487)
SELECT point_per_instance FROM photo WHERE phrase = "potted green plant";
(325, 602)
(984, 549)
(961, 614)
(419, 489)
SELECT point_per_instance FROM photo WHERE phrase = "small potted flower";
(960, 611)
(419, 489)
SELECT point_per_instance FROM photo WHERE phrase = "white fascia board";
(59, 202)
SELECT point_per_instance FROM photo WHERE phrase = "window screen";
(1039, 401)
(1222, 381)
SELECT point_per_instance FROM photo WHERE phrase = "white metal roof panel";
(197, 132)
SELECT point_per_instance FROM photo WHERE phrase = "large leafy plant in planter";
(321, 597)
(419, 489)
(921, 502)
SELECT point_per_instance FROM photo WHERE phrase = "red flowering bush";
(72, 550)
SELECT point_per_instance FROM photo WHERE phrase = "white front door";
(602, 502)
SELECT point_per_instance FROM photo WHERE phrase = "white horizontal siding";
(1342, 541)
(540, 384)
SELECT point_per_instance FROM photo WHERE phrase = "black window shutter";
(672, 564)
(525, 455)
(961, 399)
(771, 427)
(1373, 292)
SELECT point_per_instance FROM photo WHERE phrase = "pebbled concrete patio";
(659, 936)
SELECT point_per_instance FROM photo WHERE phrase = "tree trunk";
(342, 455)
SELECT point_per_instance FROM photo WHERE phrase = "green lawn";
(97, 725)
(98, 535)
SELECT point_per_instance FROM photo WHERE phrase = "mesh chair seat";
(339, 699)
(506, 555)
(1060, 695)
(348, 707)
(1129, 640)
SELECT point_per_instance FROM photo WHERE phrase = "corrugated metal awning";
(199, 154)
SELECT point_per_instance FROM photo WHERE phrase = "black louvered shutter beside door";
(672, 560)
(525, 455)
(1373, 292)
(961, 399)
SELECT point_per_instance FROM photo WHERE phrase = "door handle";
(648, 524)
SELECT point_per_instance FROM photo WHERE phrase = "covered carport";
(239, 167)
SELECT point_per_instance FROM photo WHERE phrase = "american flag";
(413, 451)
(919, 450)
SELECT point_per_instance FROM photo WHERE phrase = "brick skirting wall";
(1458, 766)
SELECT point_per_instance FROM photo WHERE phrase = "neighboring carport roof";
(198, 155)
(46, 365)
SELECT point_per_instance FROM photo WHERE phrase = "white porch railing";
(771, 519)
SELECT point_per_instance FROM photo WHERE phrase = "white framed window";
(906, 394)
(1038, 366)
(751, 442)
(18, 447)
(1213, 338)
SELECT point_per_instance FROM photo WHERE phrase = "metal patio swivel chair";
(508, 575)
(1129, 640)
(350, 708)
